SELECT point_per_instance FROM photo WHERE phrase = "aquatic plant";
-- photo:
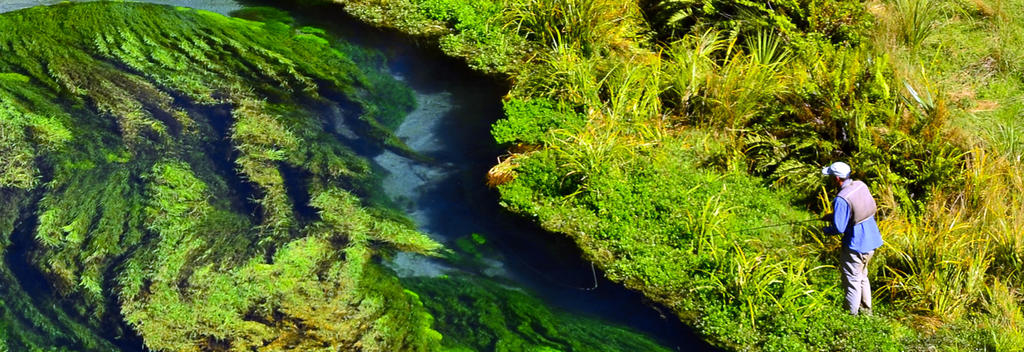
(151, 153)
(503, 319)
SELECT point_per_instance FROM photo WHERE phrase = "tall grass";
(942, 262)
(1005, 320)
(592, 25)
(916, 20)
(693, 61)
(1009, 137)
(718, 84)
(597, 148)
(740, 90)
(633, 88)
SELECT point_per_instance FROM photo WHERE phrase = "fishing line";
(778, 225)
(541, 273)
(593, 271)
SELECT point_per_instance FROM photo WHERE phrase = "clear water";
(447, 197)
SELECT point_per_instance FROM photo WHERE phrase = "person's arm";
(840, 216)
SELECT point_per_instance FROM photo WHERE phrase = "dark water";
(447, 196)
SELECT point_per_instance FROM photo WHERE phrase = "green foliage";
(314, 296)
(916, 19)
(590, 26)
(476, 31)
(530, 121)
(30, 323)
(264, 14)
(663, 226)
(654, 162)
(343, 211)
(392, 100)
(479, 33)
(462, 16)
(831, 20)
(24, 134)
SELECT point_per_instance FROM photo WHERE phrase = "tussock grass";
(591, 25)
(916, 20)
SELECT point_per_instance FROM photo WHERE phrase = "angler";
(854, 217)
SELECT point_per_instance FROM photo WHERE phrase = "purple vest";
(857, 195)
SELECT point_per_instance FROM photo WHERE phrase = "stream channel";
(445, 193)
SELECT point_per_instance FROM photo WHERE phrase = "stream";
(445, 193)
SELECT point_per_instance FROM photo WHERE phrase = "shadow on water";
(449, 199)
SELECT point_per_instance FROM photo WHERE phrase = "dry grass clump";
(501, 173)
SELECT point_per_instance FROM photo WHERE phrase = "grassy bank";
(657, 134)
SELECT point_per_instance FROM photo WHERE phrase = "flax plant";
(707, 225)
(634, 89)
(692, 63)
(568, 75)
(750, 279)
(592, 24)
(744, 81)
(1005, 319)
(597, 148)
(739, 91)
(796, 293)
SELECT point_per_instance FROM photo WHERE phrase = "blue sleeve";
(840, 217)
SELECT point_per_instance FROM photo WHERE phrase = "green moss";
(264, 14)
(478, 238)
(529, 121)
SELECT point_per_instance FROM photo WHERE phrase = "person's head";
(839, 171)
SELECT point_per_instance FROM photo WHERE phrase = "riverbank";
(656, 133)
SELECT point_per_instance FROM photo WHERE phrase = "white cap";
(839, 169)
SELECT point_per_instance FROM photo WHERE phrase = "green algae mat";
(170, 178)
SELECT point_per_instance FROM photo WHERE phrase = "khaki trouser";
(854, 267)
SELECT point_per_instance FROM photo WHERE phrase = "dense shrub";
(530, 121)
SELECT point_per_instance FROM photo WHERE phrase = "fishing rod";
(593, 271)
(780, 225)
